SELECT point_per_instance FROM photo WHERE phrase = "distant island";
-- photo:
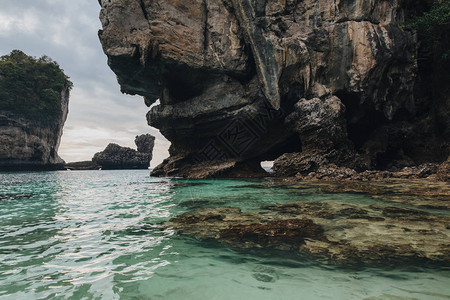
(34, 100)
(116, 157)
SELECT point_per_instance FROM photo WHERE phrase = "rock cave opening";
(184, 83)
(267, 165)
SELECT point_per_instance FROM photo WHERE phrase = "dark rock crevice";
(205, 26)
(144, 10)
(252, 21)
(361, 119)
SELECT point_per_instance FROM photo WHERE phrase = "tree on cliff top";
(32, 87)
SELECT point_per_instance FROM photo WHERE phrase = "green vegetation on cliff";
(433, 28)
(31, 86)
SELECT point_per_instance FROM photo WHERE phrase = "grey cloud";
(67, 32)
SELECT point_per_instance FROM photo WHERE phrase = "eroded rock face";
(180, 166)
(30, 145)
(145, 143)
(443, 173)
(118, 157)
(242, 80)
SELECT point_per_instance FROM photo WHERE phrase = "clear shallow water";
(94, 235)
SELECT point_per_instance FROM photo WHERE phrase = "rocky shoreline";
(430, 171)
(406, 222)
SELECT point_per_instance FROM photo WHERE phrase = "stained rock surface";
(242, 81)
(118, 157)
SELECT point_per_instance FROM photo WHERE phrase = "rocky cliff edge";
(28, 145)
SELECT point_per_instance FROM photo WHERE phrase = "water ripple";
(95, 235)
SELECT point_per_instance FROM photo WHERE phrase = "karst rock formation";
(116, 157)
(304, 83)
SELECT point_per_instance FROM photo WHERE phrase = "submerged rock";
(7, 197)
(292, 232)
(376, 233)
(118, 157)
(334, 233)
(416, 192)
(239, 81)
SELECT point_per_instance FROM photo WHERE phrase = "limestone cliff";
(29, 145)
(34, 100)
(241, 81)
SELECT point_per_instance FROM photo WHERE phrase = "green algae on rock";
(379, 233)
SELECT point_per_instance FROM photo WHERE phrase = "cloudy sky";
(66, 31)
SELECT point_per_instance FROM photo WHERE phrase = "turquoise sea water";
(95, 235)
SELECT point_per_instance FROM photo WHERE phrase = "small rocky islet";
(116, 157)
